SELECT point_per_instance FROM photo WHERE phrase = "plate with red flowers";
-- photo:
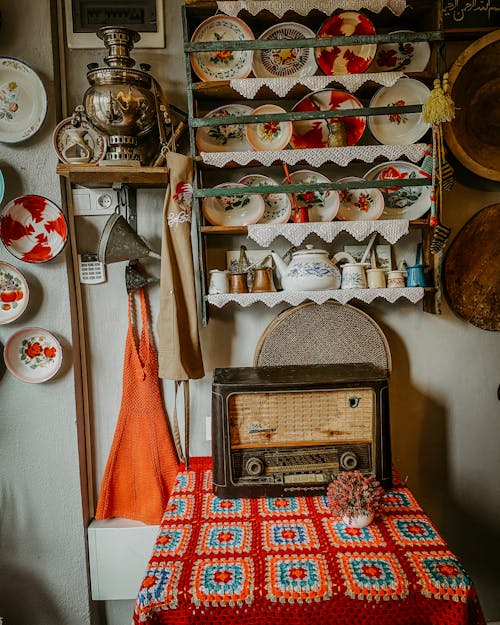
(33, 228)
(14, 293)
(233, 210)
(401, 202)
(33, 355)
(278, 205)
(222, 64)
(359, 204)
(354, 59)
(406, 56)
(270, 135)
(321, 205)
(315, 133)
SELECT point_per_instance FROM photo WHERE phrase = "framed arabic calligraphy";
(470, 14)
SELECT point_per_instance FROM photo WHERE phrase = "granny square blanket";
(287, 561)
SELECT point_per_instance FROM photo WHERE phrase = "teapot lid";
(310, 250)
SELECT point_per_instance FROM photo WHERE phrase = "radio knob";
(254, 466)
(348, 461)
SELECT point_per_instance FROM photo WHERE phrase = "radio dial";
(254, 466)
(348, 461)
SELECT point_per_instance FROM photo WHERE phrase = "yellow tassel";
(439, 106)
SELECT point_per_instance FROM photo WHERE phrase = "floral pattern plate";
(278, 206)
(23, 101)
(233, 210)
(222, 64)
(401, 202)
(95, 142)
(321, 205)
(285, 62)
(33, 229)
(359, 204)
(33, 355)
(399, 128)
(225, 138)
(314, 133)
(353, 59)
(14, 293)
(272, 135)
(405, 57)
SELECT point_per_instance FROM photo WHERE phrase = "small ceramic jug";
(375, 278)
(395, 279)
(219, 282)
(354, 276)
(263, 280)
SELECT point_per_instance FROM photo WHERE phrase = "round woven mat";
(323, 334)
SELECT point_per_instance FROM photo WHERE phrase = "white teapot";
(308, 270)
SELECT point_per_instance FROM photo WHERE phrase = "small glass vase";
(363, 519)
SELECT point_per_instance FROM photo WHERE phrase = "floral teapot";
(308, 270)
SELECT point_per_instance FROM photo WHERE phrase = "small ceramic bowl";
(271, 135)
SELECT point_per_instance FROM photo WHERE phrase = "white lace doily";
(391, 229)
(318, 156)
(280, 7)
(248, 87)
(412, 294)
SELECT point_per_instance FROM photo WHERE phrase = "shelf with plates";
(218, 102)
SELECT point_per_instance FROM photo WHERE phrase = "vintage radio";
(288, 430)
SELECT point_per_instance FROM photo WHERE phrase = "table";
(287, 561)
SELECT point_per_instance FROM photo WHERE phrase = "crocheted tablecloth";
(287, 561)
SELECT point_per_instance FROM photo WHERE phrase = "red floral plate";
(14, 293)
(271, 135)
(33, 355)
(359, 204)
(353, 59)
(313, 133)
(321, 205)
(407, 56)
(33, 229)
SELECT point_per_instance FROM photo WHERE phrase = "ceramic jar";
(354, 276)
(363, 519)
(219, 282)
(395, 279)
(375, 278)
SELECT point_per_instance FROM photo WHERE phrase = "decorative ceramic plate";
(289, 62)
(353, 59)
(406, 56)
(233, 210)
(14, 293)
(225, 138)
(272, 135)
(321, 205)
(23, 101)
(359, 204)
(33, 355)
(401, 202)
(314, 133)
(278, 206)
(2, 186)
(222, 64)
(33, 229)
(65, 135)
(399, 128)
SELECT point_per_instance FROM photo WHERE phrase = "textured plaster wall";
(43, 579)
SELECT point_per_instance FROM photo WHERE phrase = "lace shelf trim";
(280, 7)
(318, 156)
(412, 294)
(390, 229)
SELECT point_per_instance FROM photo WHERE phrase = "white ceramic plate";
(222, 64)
(33, 229)
(225, 138)
(14, 293)
(359, 204)
(94, 141)
(288, 62)
(23, 101)
(353, 59)
(401, 202)
(2, 186)
(321, 205)
(33, 355)
(399, 128)
(272, 135)
(405, 57)
(233, 210)
(278, 206)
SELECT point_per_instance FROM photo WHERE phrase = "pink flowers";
(353, 493)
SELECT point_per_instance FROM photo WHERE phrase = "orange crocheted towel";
(142, 463)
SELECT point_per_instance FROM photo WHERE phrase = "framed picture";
(382, 254)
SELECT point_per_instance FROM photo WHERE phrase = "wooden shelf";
(94, 175)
